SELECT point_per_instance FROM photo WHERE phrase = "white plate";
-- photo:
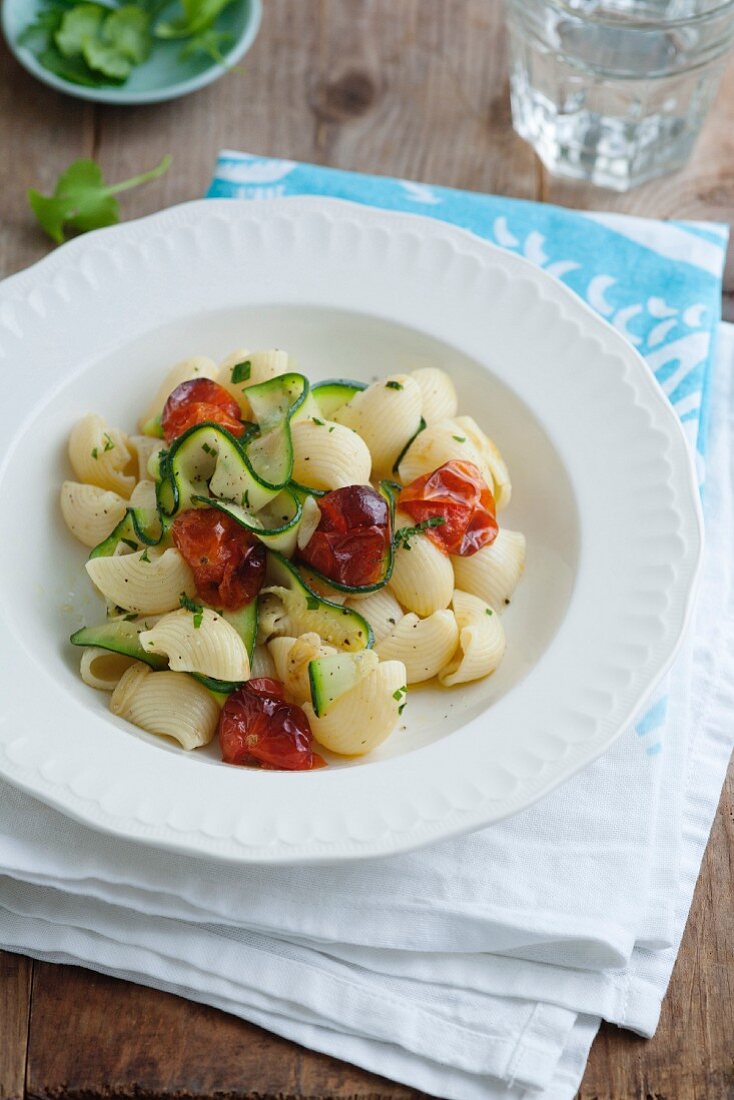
(604, 489)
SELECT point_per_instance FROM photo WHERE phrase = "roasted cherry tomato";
(352, 541)
(458, 494)
(197, 401)
(227, 561)
(258, 727)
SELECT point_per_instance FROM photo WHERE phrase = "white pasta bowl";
(603, 488)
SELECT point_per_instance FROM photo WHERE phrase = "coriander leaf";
(211, 42)
(78, 26)
(43, 27)
(312, 603)
(240, 371)
(198, 16)
(393, 385)
(128, 30)
(81, 199)
(106, 60)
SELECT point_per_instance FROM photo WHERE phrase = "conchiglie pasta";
(144, 446)
(101, 669)
(422, 578)
(328, 459)
(423, 645)
(310, 519)
(481, 641)
(99, 455)
(387, 415)
(493, 572)
(501, 485)
(197, 366)
(262, 663)
(261, 366)
(438, 394)
(291, 657)
(171, 704)
(89, 512)
(381, 610)
(209, 645)
(364, 717)
(143, 495)
(148, 587)
(438, 443)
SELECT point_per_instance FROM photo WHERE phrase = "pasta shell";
(143, 495)
(310, 520)
(481, 641)
(101, 669)
(262, 663)
(381, 610)
(291, 657)
(493, 572)
(326, 459)
(144, 446)
(440, 442)
(149, 587)
(365, 716)
(388, 415)
(212, 648)
(500, 483)
(171, 704)
(264, 365)
(99, 455)
(438, 394)
(89, 512)
(422, 578)
(197, 366)
(423, 645)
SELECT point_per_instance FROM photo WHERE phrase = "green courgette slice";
(307, 611)
(119, 636)
(331, 677)
(335, 393)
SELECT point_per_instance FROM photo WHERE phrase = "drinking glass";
(615, 91)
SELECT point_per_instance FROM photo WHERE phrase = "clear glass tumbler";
(615, 91)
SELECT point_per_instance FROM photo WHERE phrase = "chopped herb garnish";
(245, 500)
(131, 618)
(398, 693)
(459, 438)
(241, 371)
(317, 421)
(131, 543)
(391, 385)
(109, 442)
(401, 708)
(95, 453)
(312, 603)
(404, 534)
(206, 448)
(144, 555)
(195, 608)
(331, 429)
(488, 611)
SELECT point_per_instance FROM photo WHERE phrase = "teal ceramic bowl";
(163, 76)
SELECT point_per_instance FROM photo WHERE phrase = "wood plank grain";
(121, 1040)
(41, 132)
(15, 1000)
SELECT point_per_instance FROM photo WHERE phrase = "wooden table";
(414, 88)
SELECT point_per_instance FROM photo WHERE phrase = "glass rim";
(651, 23)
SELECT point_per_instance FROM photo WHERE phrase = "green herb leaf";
(211, 42)
(131, 543)
(399, 692)
(459, 438)
(128, 30)
(109, 443)
(312, 603)
(79, 25)
(95, 453)
(241, 371)
(195, 608)
(488, 611)
(82, 201)
(403, 535)
(393, 385)
(198, 16)
(144, 556)
(317, 421)
(206, 448)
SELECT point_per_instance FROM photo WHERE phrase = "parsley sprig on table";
(83, 201)
(98, 44)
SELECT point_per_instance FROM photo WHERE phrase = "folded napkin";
(479, 967)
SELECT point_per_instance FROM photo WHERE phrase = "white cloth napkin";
(477, 968)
